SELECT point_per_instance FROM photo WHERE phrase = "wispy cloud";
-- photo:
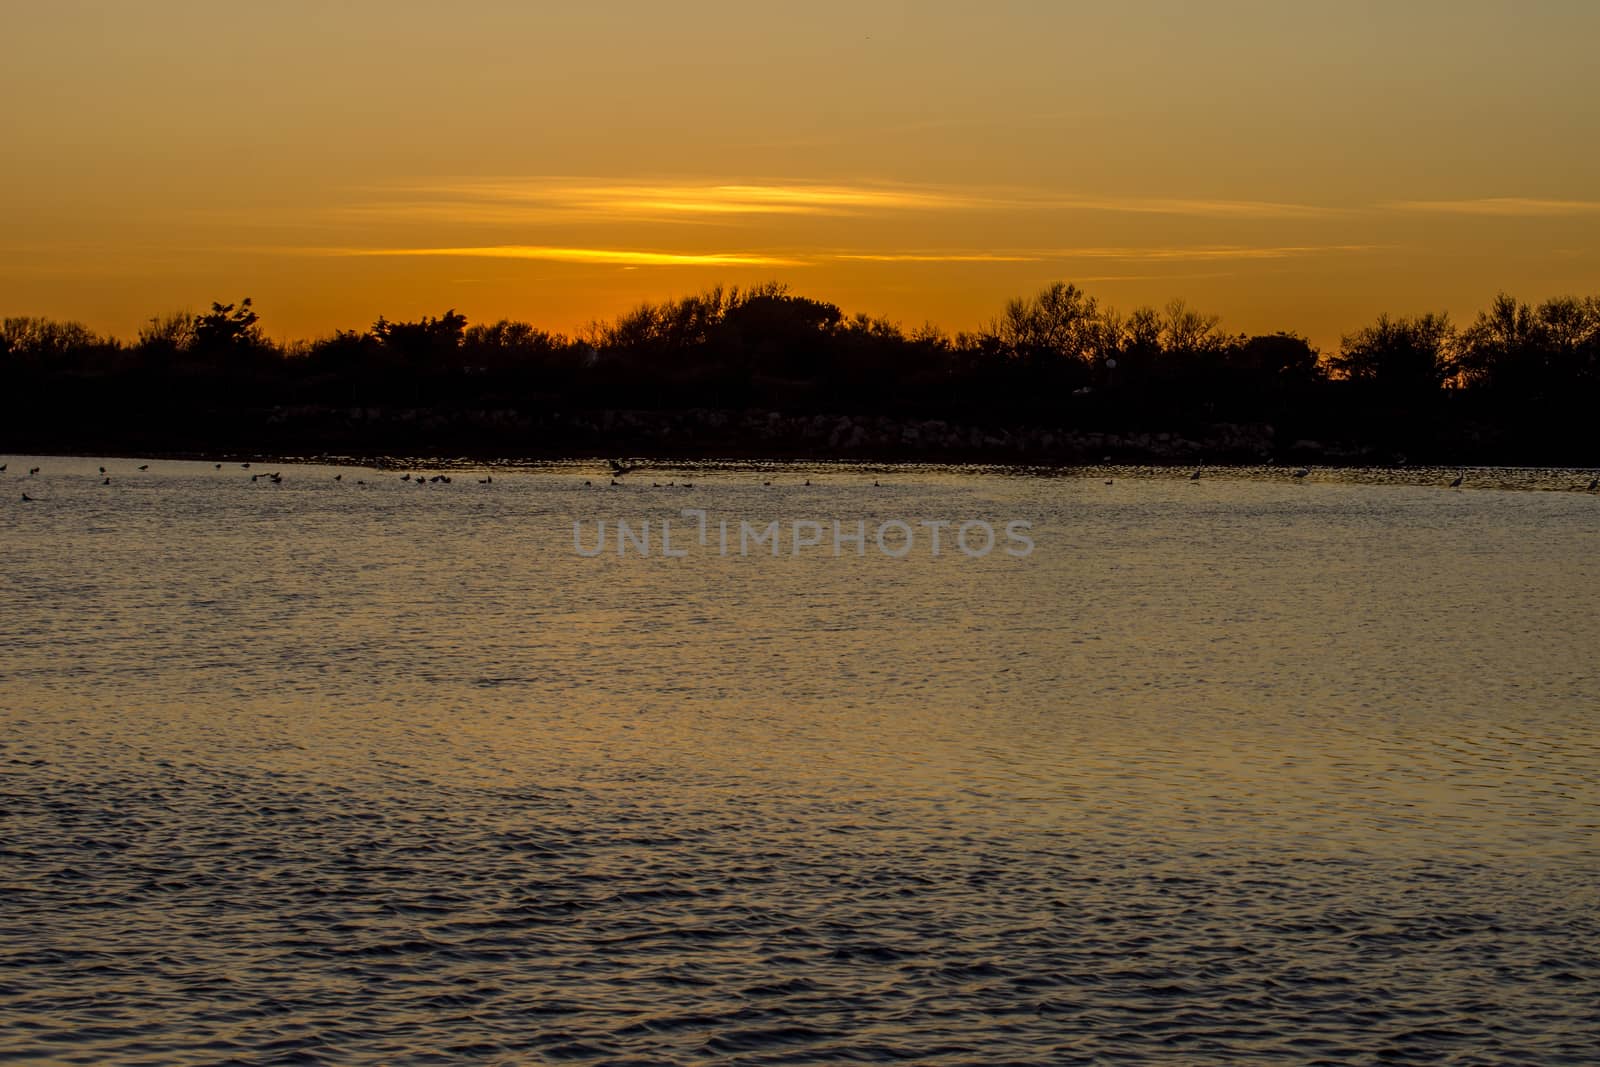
(1208, 252)
(1129, 254)
(1501, 206)
(578, 200)
(935, 257)
(658, 258)
(597, 256)
(1203, 209)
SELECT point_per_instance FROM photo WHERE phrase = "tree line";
(1517, 374)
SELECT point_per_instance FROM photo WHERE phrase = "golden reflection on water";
(1211, 744)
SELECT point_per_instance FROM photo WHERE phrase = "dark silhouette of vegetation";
(1518, 384)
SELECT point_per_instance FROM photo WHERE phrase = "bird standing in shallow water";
(1457, 483)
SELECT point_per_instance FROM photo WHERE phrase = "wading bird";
(1457, 483)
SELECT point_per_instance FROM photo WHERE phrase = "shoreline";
(391, 436)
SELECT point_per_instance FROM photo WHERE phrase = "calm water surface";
(1230, 771)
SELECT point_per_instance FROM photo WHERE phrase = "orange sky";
(1290, 166)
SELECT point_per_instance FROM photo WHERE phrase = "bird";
(3, 467)
(338, 477)
(1108, 481)
(875, 484)
(615, 482)
(34, 470)
(655, 485)
(360, 482)
(244, 466)
(26, 499)
(1457, 483)
(688, 485)
(106, 482)
(1594, 483)
(1195, 476)
(145, 467)
(1302, 472)
(102, 470)
(488, 479)
(405, 477)
(219, 466)
(276, 478)
(766, 483)
(588, 482)
(808, 481)
(620, 468)
(253, 477)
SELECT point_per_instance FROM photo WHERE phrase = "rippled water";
(1246, 769)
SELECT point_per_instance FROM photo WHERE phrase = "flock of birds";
(620, 469)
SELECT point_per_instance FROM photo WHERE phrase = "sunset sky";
(1288, 165)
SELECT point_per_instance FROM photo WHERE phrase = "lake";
(1243, 769)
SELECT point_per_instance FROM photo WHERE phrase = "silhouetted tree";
(227, 328)
(1400, 356)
